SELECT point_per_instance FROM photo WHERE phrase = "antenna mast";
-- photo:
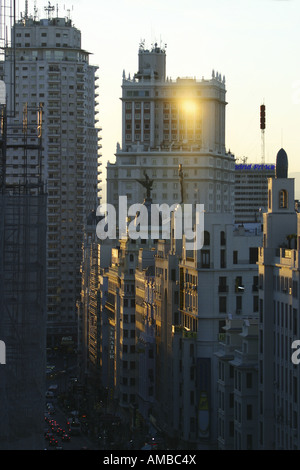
(26, 9)
(35, 9)
(262, 127)
(49, 9)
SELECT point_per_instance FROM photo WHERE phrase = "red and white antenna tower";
(262, 127)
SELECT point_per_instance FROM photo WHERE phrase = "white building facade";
(166, 123)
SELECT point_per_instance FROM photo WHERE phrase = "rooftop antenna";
(35, 9)
(26, 10)
(262, 127)
(49, 9)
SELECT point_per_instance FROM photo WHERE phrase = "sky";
(254, 43)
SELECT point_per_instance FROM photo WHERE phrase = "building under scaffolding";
(22, 291)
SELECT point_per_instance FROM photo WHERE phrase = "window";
(239, 284)
(205, 258)
(253, 255)
(255, 284)
(283, 199)
(235, 257)
(223, 284)
(223, 259)
(238, 304)
(222, 304)
(222, 238)
(206, 238)
(249, 380)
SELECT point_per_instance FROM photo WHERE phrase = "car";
(53, 388)
(49, 436)
(50, 408)
(65, 437)
(53, 442)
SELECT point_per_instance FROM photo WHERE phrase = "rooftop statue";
(147, 183)
(180, 174)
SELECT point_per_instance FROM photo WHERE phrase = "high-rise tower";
(166, 123)
(52, 70)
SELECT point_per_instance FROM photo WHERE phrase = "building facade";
(278, 266)
(53, 71)
(238, 385)
(251, 191)
(166, 123)
(169, 126)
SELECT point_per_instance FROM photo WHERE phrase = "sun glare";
(189, 106)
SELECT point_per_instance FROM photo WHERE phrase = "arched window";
(283, 199)
(206, 238)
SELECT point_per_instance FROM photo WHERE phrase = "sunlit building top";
(166, 123)
(160, 112)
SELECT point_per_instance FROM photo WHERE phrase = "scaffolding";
(23, 206)
(8, 48)
(22, 315)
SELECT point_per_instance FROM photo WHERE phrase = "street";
(76, 442)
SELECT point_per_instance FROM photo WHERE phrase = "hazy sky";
(254, 43)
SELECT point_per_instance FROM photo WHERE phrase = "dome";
(282, 164)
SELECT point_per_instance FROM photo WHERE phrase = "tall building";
(278, 266)
(166, 123)
(168, 126)
(216, 281)
(251, 191)
(52, 70)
